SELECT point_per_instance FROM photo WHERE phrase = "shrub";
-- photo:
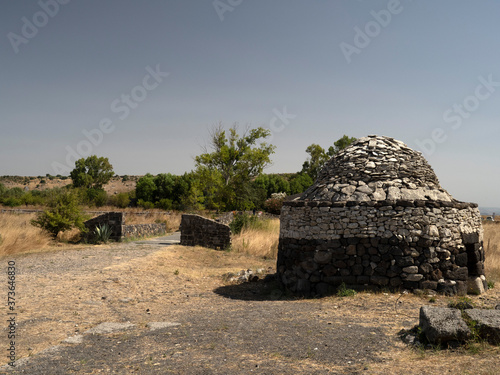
(63, 214)
(273, 205)
(342, 291)
(102, 233)
(121, 200)
(164, 204)
(241, 221)
(12, 202)
(145, 204)
(96, 197)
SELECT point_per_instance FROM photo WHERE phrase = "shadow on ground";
(254, 291)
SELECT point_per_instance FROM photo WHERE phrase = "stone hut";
(377, 216)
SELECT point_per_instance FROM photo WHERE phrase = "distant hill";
(489, 210)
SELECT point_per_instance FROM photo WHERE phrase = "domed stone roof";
(376, 168)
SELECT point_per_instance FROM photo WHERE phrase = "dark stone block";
(461, 260)
(329, 270)
(379, 280)
(396, 251)
(436, 275)
(447, 288)
(411, 285)
(357, 270)
(395, 281)
(372, 251)
(404, 261)
(393, 241)
(428, 284)
(361, 280)
(462, 288)
(460, 273)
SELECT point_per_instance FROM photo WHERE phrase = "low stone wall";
(113, 219)
(120, 231)
(199, 231)
(143, 230)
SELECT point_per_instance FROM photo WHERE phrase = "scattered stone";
(488, 323)
(153, 326)
(109, 327)
(441, 325)
(77, 339)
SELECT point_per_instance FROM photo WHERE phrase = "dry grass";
(19, 236)
(259, 240)
(492, 250)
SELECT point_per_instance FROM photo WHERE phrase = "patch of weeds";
(176, 272)
(491, 284)
(343, 291)
(432, 299)
(462, 304)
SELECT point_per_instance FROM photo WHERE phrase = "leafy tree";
(165, 184)
(145, 188)
(235, 160)
(63, 214)
(318, 156)
(93, 172)
(299, 183)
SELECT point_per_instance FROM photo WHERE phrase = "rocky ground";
(148, 308)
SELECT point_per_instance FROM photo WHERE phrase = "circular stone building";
(376, 215)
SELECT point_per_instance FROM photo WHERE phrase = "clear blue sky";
(406, 69)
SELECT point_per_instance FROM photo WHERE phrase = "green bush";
(64, 214)
(342, 291)
(96, 197)
(145, 204)
(121, 200)
(12, 202)
(164, 204)
(241, 221)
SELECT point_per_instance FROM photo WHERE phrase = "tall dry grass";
(19, 236)
(259, 239)
(492, 250)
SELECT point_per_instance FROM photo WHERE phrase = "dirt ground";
(209, 326)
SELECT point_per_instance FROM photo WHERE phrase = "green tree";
(299, 183)
(93, 172)
(235, 160)
(63, 214)
(145, 188)
(318, 156)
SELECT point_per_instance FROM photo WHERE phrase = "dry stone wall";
(344, 229)
(199, 231)
(144, 230)
(119, 230)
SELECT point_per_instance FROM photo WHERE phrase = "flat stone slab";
(153, 326)
(77, 339)
(109, 327)
(440, 324)
(488, 323)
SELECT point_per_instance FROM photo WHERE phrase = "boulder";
(441, 325)
(487, 323)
